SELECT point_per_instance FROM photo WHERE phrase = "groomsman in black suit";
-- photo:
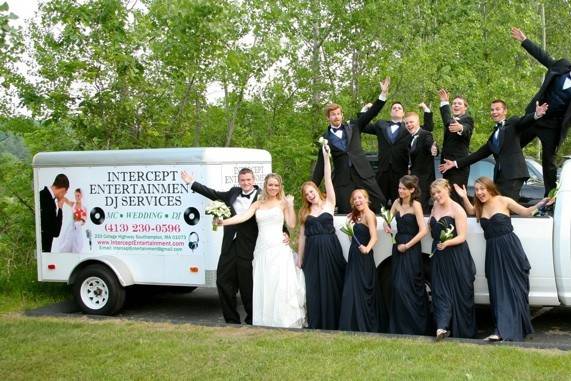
(556, 92)
(351, 168)
(393, 146)
(51, 216)
(234, 271)
(421, 157)
(458, 128)
(510, 170)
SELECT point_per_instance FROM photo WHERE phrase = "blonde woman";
(453, 269)
(321, 253)
(279, 287)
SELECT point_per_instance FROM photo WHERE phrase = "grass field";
(83, 348)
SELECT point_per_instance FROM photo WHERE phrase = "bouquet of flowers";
(348, 229)
(219, 210)
(80, 215)
(324, 142)
(445, 234)
(388, 217)
(553, 193)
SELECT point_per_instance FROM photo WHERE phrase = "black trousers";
(548, 131)
(234, 274)
(457, 176)
(343, 193)
(510, 188)
(389, 184)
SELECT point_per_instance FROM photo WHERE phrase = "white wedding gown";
(279, 286)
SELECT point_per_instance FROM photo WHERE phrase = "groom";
(51, 204)
(234, 271)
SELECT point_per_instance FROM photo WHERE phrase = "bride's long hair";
(280, 195)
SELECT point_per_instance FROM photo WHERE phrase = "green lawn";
(83, 348)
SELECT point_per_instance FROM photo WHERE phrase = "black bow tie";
(246, 195)
(498, 125)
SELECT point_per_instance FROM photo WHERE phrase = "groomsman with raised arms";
(556, 92)
(393, 145)
(352, 170)
(510, 170)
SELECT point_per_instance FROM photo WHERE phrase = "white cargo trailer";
(138, 222)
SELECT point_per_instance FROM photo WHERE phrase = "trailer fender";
(119, 267)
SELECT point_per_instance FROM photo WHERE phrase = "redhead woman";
(320, 252)
(360, 303)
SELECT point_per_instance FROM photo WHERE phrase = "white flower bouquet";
(348, 229)
(388, 217)
(324, 142)
(445, 234)
(219, 210)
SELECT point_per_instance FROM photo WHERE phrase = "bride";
(279, 286)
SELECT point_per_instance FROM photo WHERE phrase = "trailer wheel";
(97, 291)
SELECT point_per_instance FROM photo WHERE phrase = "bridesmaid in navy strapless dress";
(361, 300)
(320, 252)
(324, 269)
(507, 267)
(507, 272)
(409, 310)
(453, 275)
(453, 270)
(409, 302)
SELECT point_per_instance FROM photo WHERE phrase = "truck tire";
(97, 290)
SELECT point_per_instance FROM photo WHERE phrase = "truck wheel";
(97, 291)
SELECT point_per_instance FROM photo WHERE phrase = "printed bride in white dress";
(279, 285)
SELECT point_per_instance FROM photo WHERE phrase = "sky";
(24, 9)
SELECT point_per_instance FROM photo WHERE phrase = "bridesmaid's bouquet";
(445, 234)
(324, 142)
(388, 217)
(219, 210)
(348, 229)
(553, 193)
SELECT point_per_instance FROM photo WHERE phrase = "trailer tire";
(97, 290)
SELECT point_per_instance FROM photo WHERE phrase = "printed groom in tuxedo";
(351, 169)
(51, 216)
(556, 92)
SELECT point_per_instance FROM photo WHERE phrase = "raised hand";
(186, 177)
(443, 95)
(289, 201)
(517, 34)
(448, 164)
(326, 151)
(385, 84)
(540, 110)
(422, 105)
(461, 191)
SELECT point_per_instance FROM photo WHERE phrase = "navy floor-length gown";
(507, 272)
(361, 301)
(409, 312)
(324, 270)
(453, 275)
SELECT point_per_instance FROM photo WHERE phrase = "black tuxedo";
(50, 219)
(234, 271)
(456, 146)
(351, 169)
(510, 170)
(422, 164)
(552, 128)
(393, 155)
